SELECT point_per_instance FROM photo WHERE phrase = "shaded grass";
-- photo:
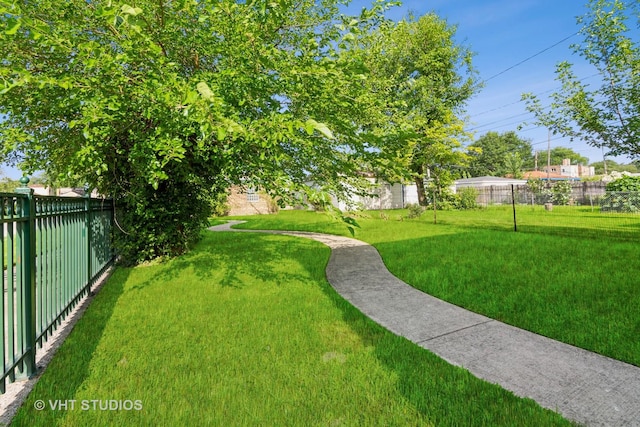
(580, 290)
(245, 330)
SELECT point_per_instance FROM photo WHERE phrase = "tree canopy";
(161, 105)
(427, 78)
(609, 115)
(611, 166)
(499, 154)
(558, 154)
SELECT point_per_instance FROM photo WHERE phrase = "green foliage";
(495, 154)
(427, 78)
(219, 204)
(624, 183)
(558, 193)
(607, 116)
(621, 201)
(558, 154)
(541, 191)
(414, 210)
(623, 195)
(467, 198)
(513, 164)
(160, 104)
(599, 167)
(561, 192)
(8, 185)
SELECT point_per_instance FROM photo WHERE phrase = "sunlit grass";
(245, 330)
(577, 288)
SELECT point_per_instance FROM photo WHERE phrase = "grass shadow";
(71, 364)
(229, 268)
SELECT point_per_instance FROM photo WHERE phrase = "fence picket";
(53, 250)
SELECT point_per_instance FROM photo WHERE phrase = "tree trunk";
(422, 195)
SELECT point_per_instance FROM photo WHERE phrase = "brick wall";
(239, 205)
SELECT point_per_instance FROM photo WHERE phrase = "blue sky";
(502, 33)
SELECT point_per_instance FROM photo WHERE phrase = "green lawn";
(245, 330)
(580, 288)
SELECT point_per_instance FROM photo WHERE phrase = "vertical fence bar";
(513, 204)
(45, 268)
(88, 223)
(26, 231)
(10, 289)
(3, 282)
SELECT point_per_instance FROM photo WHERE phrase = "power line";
(520, 100)
(531, 57)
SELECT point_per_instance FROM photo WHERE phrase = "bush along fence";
(54, 249)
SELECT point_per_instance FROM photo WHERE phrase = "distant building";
(552, 176)
(248, 201)
(566, 169)
(41, 190)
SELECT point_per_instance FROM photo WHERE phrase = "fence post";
(87, 204)
(513, 204)
(27, 263)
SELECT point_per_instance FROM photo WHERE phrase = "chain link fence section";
(621, 202)
(583, 209)
(580, 194)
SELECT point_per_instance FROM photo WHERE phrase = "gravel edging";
(17, 392)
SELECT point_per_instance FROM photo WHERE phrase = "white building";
(569, 170)
(383, 195)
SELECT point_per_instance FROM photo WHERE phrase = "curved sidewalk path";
(585, 387)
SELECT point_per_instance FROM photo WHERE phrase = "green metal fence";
(53, 251)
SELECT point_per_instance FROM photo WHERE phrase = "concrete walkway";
(585, 387)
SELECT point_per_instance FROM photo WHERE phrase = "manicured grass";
(574, 288)
(245, 330)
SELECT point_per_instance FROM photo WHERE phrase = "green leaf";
(205, 91)
(14, 26)
(221, 133)
(311, 125)
(129, 10)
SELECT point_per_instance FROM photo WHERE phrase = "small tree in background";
(496, 154)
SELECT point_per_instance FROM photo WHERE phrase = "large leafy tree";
(499, 154)
(427, 78)
(609, 115)
(162, 104)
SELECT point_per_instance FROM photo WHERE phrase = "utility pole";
(548, 155)
(604, 160)
(536, 161)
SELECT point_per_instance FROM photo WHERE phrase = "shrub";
(541, 193)
(621, 201)
(414, 210)
(467, 198)
(219, 205)
(625, 183)
(562, 191)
